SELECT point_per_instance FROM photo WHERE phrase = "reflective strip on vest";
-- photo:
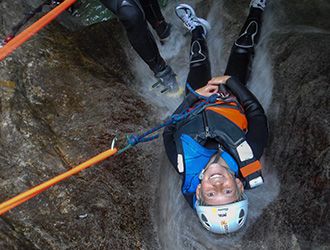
(250, 168)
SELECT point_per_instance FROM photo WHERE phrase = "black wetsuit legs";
(240, 57)
(200, 69)
(243, 49)
(152, 12)
(133, 14)
(239, 60)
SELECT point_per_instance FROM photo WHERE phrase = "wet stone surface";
(299, 145)
(64, 95)
(58, 107)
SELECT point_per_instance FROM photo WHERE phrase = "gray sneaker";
(167, 78)
(260, 4)
(188, 16)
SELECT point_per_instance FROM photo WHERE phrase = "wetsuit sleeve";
(257, 134)
(168, 134)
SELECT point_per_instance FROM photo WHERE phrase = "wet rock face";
(60, 106)
(64, 96)
(299, 143)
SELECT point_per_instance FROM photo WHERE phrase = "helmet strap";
(216, 159)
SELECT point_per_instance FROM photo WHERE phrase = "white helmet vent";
(223, 219)
(241, 217)
(205, 222)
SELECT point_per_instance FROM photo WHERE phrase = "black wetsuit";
(134, 15)
(238, 69)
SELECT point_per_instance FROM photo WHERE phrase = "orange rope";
(19, 199)
(34, 28)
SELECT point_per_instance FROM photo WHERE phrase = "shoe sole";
(258, 5)
(186, 6)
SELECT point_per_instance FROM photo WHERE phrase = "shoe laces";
(189, 21)
(259, 3)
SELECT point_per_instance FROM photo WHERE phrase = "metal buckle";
(113, 142)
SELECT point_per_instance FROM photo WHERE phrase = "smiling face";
(218, 186)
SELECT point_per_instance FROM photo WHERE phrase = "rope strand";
(133, 140)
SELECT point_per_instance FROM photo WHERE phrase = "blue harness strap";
(145, 137)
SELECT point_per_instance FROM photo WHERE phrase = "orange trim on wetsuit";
(233, 114)
(251, 168)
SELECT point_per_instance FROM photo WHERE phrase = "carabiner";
(113, 142)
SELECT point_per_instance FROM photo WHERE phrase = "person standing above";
(134, 15)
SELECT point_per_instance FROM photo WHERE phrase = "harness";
(218, 117)
(224, 123)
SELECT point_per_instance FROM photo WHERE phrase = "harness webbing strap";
(135, 139)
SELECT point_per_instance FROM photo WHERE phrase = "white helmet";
(223, 219)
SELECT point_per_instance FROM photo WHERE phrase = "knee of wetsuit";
(110, 4)
(249, 35)
(131, 17)
(240, 50)
(198, 53)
